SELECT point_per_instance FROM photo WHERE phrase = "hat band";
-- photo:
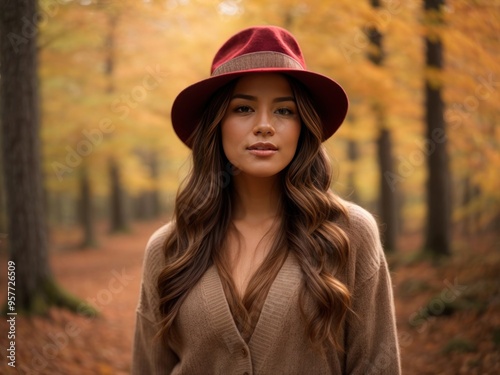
(258, 60)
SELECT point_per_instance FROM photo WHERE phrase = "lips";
(263, 146)
(263, 149)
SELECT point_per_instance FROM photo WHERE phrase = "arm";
(371, 337)
(372, 346)
(150, 354)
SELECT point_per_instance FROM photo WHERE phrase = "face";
(261, 127)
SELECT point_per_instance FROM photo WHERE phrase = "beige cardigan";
(211, 343)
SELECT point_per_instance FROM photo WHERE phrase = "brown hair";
(308, 227)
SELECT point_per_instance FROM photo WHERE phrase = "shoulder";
(154, 248)
(362, 222)
(366, 253)
(157, 239)
(154, 258)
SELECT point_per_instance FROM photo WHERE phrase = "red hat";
(254, 50)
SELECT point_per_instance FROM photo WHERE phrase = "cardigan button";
(244, 353)
(246, 373)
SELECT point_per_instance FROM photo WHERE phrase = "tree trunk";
(388, 197)
(470, 223)
(353, 156)
(141, 206)
(86, 210)
(35, 289)
(117, 197)
(3, 202)
(147, 203)
(468, 219)
(437, 240)
(155, 194)
(388, 204)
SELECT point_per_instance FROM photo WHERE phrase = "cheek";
(294, 135)
(230, 138)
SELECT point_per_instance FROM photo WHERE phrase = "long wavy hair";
(309, 228)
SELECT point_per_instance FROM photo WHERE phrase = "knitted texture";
(210, 342)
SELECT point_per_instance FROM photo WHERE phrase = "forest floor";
(448, 313)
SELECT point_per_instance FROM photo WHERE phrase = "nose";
(263, 125)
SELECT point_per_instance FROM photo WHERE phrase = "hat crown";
(259, 49)
(255, 45)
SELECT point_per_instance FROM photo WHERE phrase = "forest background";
(108, 72)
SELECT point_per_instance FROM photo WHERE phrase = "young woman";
(263, 270)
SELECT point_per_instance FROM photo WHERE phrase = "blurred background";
(419, 149)
(110, 70)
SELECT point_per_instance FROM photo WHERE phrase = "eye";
(284, 111)
(243, 109)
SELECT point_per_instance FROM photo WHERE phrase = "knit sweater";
(210, 342)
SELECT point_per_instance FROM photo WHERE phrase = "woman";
(263, 270)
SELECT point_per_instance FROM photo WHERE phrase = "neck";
(255, 199)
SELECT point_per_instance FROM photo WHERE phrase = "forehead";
(263, 83)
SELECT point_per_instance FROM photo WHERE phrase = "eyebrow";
(254, 98)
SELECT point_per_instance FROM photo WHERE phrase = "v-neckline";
(275, 306)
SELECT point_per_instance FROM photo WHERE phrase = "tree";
(155, 44)
(471, 95)
(438, 199)
(118, 215)
(147, 203)
(352, 156)
(86, 211)
(36, 289)
(387, 200)
(3, 209)
(117, 193)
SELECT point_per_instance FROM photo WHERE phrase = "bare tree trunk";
(35, 287)
(438, 198)
(20, 124)
(3, 202)
(155, 194)
(117, 195)
(468, 220)
(388, 203)
(147, 204)
(353, 156)
(388, 198)
(86, 210)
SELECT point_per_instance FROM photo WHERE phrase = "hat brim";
(328, 97)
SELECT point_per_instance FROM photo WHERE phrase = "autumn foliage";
(109, 71)
(160, 47)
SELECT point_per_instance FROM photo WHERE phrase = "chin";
(262, 174)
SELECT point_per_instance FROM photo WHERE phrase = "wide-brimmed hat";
(256, 50)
